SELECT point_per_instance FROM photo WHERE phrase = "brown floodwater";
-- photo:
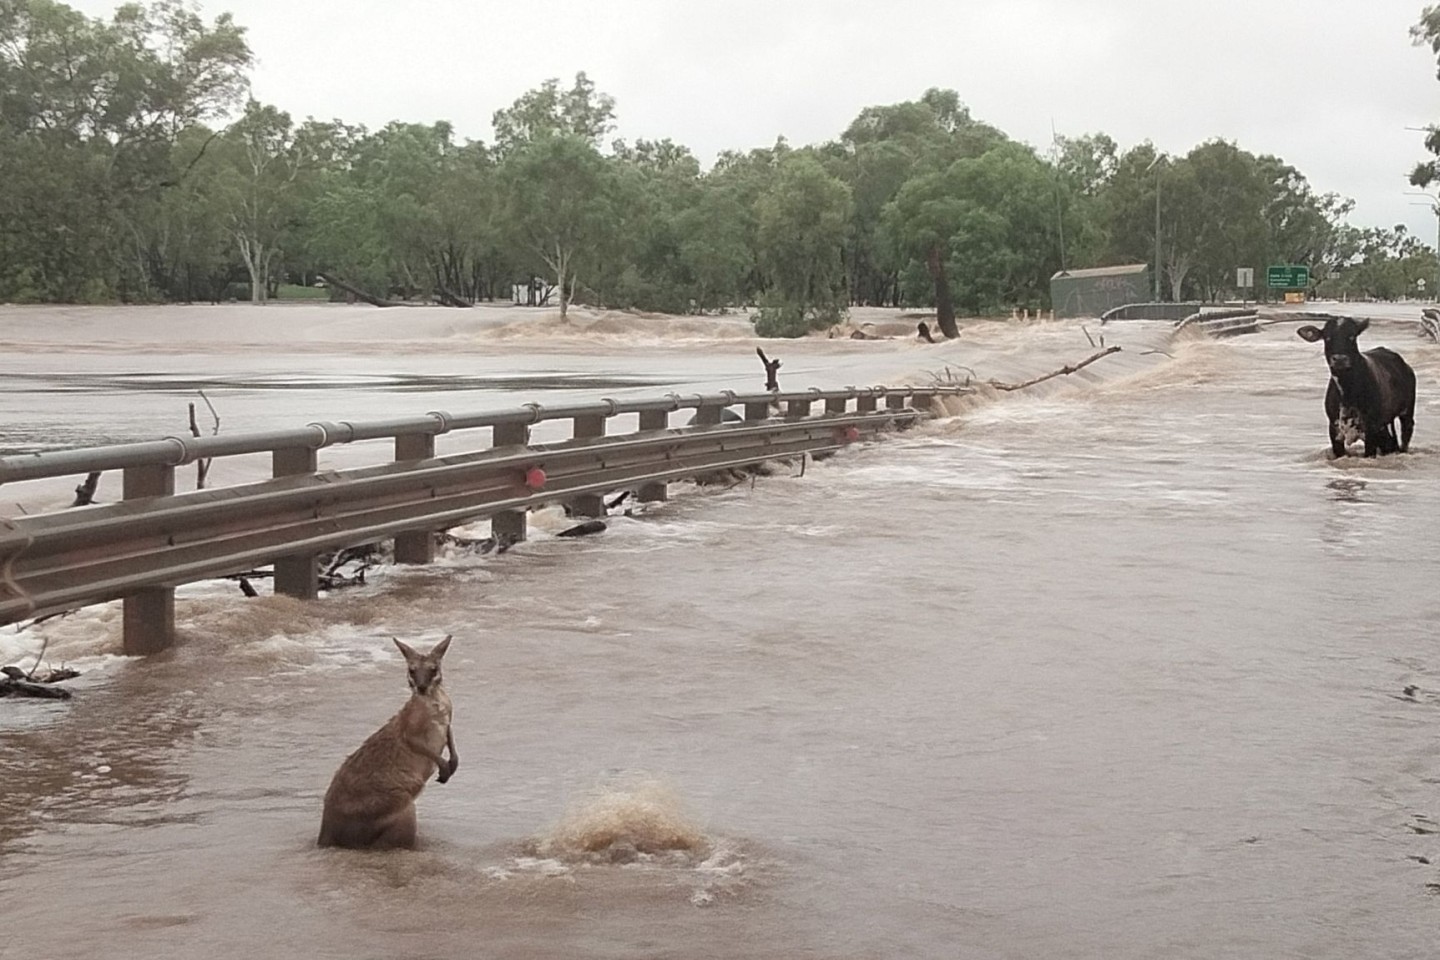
(1114, 668)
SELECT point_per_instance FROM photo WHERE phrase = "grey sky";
(1329, 85)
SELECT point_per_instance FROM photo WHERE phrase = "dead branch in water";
(202, 467)
(16, 682)
(951, 378)
(10, 687)
(39, 657)
(1062, 372)
(85, 493)
(39, 620)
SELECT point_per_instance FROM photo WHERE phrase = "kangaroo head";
(424, 667)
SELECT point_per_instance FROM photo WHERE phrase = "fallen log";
(24, 688)
(451, 299)
(583, 529)
(1062, 372)
(15, 682)
(50, 675)
(356, 292)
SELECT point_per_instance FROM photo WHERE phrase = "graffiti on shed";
(1090, 292)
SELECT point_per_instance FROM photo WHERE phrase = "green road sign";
(1290, 276)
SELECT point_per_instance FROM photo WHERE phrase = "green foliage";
(1426, 33)
(558, 207)
(90, 113)
(801, 226)
(580, 112)
(1380, 264)
(132, 166)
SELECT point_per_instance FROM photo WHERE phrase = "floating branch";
(1062, 372)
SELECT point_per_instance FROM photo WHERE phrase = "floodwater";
(1114, 667)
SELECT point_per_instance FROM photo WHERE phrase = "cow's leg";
(1407, 429)
(1374, 441)
(1337, 442)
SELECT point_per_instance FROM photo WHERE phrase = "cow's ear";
(1362, 325)
(1309, 332)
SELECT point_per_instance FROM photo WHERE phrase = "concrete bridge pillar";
(148, 617)
(588, 428)
(298, 575)
(654, 492)
(509, 524)
(415, 546)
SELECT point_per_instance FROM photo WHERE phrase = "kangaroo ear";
(410, 655)
(438, 651)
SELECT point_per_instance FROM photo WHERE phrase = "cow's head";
(1341, 350)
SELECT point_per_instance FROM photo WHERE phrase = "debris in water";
(583, 529)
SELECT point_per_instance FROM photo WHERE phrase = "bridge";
(141, 548)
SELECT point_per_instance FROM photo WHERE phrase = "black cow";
(1367, 390)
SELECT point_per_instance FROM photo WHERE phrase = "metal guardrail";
(154, 540)
(1222, 323)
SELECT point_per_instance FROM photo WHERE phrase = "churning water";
(1111, 668)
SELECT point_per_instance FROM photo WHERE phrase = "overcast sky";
(1329, 85)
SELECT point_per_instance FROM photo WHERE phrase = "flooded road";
(1112, 668)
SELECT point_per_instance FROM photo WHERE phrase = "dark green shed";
(1090, 292)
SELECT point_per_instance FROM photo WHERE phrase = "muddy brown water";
(1114, 670)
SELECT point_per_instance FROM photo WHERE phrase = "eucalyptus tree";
(581, 112)
(261, 189)
(883, 150)
(984, 228)
(801, 225)
(557, 207)
(89, 113)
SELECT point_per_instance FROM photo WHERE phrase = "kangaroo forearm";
(425, 751)
(454, 757)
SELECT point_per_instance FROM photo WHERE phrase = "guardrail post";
(921, 400)
(654, 492)
(709, 415)
(895, 401)
(148, 617)
(865, 403)
(509, 524)
(757, 411)
(415, 546)
(588, 504)
(297, 575)
(797, 409)
(836, 404)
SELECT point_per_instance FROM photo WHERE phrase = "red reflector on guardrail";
(535, 478)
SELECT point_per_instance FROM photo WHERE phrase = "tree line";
(135, 166)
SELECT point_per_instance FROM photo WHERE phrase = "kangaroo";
(371, 800)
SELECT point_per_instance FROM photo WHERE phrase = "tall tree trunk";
(944, 306)
(562, 278)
